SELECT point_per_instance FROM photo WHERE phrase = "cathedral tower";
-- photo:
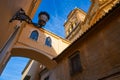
(73, 24)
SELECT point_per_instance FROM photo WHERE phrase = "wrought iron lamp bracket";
(21, 16)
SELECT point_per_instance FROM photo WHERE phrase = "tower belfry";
(73, 23)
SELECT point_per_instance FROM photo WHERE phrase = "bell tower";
(73, 23)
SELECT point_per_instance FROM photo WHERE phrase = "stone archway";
(35, 55)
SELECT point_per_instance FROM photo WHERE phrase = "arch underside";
(35, 55)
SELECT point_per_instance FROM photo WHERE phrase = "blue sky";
(58, 11)
(14, 68)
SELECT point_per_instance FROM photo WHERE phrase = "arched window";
(48, 42)
(34, 35)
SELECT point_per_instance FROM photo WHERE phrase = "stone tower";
(73, 24)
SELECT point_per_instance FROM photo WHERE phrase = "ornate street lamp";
(43, 18)
(21, 16)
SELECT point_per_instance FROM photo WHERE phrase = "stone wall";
(99, 53)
